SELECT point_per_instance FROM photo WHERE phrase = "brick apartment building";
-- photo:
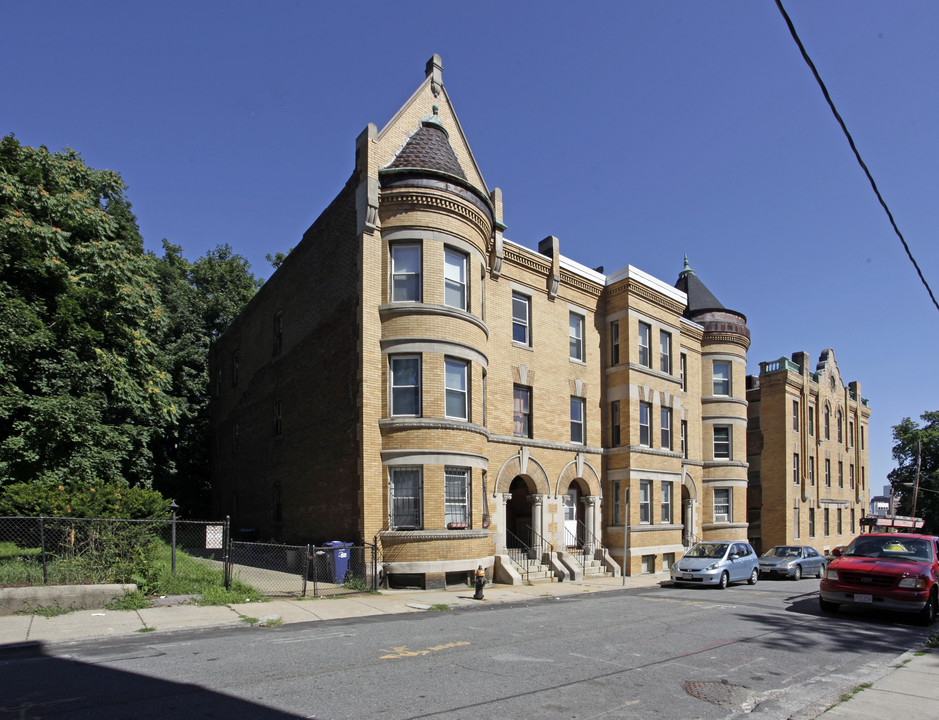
(807, 451)
(411, 377)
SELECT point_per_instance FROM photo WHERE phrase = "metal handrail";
(572, 541)
(591, 539)
(518, 550)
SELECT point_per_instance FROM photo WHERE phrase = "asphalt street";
(653, 652)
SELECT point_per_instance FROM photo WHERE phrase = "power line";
(844, 128)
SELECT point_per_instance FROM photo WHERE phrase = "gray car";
(717, 563)
(792, 561)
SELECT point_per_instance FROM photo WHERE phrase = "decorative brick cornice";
(399, 201)
(728, 338)
(581, 284)
(635, 288)
(530, 261)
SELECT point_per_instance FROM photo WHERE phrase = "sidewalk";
(910, 690)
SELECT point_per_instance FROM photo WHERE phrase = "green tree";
(83, 385)
(201, 300)
(915, 443)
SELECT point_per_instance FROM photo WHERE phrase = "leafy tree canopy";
(912, 443)
(83, 389)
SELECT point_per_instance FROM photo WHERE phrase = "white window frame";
(684, 438)
(411, 515)
(666, 508)
(795, 468)
(576, 325)
(683, 370)
(645, 502)
(521, 302)
(795, 523)
(721, 384)
(410, 388)
(578, 421)
(795, 416)
(521, 392)
(811, 421)
(457, 394)
(645, 344)
(722, 442)
(454, 278)
(665, 428)
(645, 424)
(665, 352)
(456, 495)
(408, 276)
(723, 504)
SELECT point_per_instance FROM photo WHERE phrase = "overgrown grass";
(9, 550)
(194, 577)
(439, 607)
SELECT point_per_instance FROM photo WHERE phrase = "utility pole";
(919, 458)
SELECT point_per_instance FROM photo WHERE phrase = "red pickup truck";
(885, 571)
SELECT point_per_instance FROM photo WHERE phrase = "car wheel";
(797, 573)
(828, 607)
(821, 571)
(754, 576)
(927, 616)
(725, 581)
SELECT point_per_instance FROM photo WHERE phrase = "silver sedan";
(792, 561)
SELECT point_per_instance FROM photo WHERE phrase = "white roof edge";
(582, 270)
(650, 281)
(693, 324)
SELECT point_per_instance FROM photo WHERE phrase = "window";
(521, 319)
(278, 418)
(456, 400)
(838, 521)
(683, 371)
(666, 428)
(840, 474)
(721, 442)
(645, 424)
(454, 279)
(665, 352)
(616, 509)
(406, 498)
(811, 421)
(795, 468)
(684, 438)
(406, 386)
(850, 433)
(521, 412)
(456, 495)
(722, 506)
(577, 336)
(614, 342)
(234, 368)
(648, 564)
(405, 273)
(811, 522)
(862, 477)
(812, 470)
(862, 437)
(666, 517)
(795, 416)
(645, 502)
(278, 332)
(645, 351)
(720, 375)
(577, 420)
(827, 420)
(827, 472)
(838, 423)
(668, 559)
(795, 523)
(851, 476)
(614, 423)
(852, 521)
(825, 521)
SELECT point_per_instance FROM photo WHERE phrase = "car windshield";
(894, 548)
(783, 551)
(707, 550)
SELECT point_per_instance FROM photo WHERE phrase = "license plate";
(687, 576)
(863, 598)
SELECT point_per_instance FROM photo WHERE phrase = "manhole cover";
(719, 692)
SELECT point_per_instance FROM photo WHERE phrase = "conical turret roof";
(700, 298)
(429, 149)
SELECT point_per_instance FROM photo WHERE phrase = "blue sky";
(636, 132)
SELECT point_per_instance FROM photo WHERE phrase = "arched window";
(827, 423)
(838, 427)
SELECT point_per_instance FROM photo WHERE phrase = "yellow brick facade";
(594, 423)
(807, 451)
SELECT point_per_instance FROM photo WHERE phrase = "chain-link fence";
(75, 551)
(79, 551)
(305, 570)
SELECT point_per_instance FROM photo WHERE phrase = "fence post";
(226, 542)
(313, 555)
(173, 507)
(306, 569)
(42, 544)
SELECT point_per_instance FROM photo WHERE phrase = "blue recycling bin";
(338, 560)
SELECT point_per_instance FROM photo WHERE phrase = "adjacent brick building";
(411, 377)
(807, 451)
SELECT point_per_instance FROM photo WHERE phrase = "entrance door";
(571, 526)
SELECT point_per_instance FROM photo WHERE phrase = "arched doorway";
(688, 536)
(518, 514)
